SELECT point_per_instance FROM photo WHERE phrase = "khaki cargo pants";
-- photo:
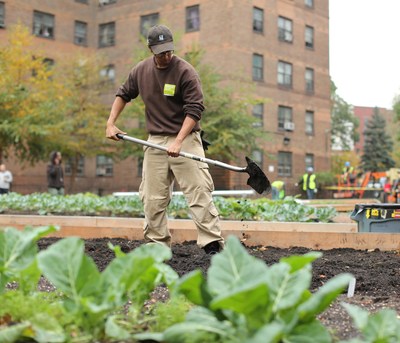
(159, 173)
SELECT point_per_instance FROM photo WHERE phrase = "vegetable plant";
(244, 300)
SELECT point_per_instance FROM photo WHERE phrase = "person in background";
(278, 190)
(348, 174)
(6, 179)
(55, 174)
(172, 94)
(309, 183)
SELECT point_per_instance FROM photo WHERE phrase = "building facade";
(278, 47)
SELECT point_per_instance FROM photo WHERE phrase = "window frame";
(258, 112)
(309, 161)
(309, 37)
(309, 82)
(80, 168)
(258, 23)
(43, 25)
(2, 15)
(285, 29)
(309, 3)
(109, 37)
(190, 22)
(147, 21)
(80, 35)
(309, 127)
(284, 76)
(258, 69)
(285, 163)
(104, 168)
(285, 114)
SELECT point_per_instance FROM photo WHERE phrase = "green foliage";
(287, 210)
(380, 327)
(93, 300)
(18, 253)
(344, 124)
(378, 145)
(243, 300)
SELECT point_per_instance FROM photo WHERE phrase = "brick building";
(280, 47)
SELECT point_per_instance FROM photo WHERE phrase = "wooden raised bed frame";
(318, 236)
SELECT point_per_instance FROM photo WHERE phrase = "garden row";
(240, 300)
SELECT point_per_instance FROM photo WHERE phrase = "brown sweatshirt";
(169, 95)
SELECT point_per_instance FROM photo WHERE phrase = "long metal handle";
(182, 153)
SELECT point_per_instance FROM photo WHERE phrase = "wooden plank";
(281, 235)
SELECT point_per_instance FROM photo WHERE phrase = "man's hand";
(111, 132)
(174, 149)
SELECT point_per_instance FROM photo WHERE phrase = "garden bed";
(377, 273)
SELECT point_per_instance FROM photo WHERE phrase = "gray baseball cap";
(160, 39)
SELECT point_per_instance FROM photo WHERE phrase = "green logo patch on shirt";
(169, 90)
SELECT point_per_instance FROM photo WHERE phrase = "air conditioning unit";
(104, 2)
(288, 126)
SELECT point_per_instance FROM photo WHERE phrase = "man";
(309, 183)
(278, 190)
(171, 91)
(348, 175)
(6, 179)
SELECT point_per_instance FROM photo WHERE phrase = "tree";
(343, 122)
(26, 92)
(377, 145)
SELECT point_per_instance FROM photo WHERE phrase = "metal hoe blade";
(257, 180)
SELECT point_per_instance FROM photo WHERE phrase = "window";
(192, 18)
(104, 166)
(309, 3)
(146, 22)
(285, 115)
(285, 74)
(80, 34)
(309, 123)
(106, 2)
(82, 1)
(106, 34)
(285, 29)
(2, 14)
(258, 20)
(309, 161)
(43, 24)
(80, 168)
(309, 77)
(257, 157)
(258, 113)
(309, 37)
(258, 67)
(108, 73)
(284, 163)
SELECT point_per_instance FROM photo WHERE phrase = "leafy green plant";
(380, 327)
(243, 300)
(18, 256)
(288, 210)
(95, 298)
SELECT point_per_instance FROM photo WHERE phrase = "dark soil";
(377, 274)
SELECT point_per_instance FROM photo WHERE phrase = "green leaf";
(269, 333)
(114, 330)
(11, 334)
(321, 299)
(311, 332)
(193, 286)
(69, 269)
(297, 262)
(286, 288)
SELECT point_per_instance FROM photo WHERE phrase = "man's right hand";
(111, 132)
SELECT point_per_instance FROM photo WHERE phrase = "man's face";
(163, 59)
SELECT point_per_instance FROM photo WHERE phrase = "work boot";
(212, 248)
